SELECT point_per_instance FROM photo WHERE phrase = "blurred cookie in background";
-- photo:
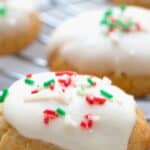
(19, 25)
(111, 42)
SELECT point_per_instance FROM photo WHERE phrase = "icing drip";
(78, 113)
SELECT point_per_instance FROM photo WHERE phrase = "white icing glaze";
(113, 121)
(82, 43)
(17, 17)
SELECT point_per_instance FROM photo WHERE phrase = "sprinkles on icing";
(91, 100)
(63, 81)
(28, 80)
(3, 9)
(49, 115)
(52, 86)
(69, 73)
(106, 94)
(90, 81)
(121, 22)
(4, 95)
(34, 91)
(60, 111)
(88, 121)
(48, 83)
(29, 75)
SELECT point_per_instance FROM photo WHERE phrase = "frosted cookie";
(144, 3)
(67, 111)
(111, 42)
(19, 25)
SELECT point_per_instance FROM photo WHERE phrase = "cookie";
(111, 42)
(19, 26)
(59, 110)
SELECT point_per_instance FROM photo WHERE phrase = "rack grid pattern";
(33, 58)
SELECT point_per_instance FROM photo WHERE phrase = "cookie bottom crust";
(144, 3)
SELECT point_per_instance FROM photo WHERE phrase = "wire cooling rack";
(33, 58)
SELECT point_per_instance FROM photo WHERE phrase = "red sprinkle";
(34, 91)
(87, 122)
(83, 124)
(100, 101)
(138, 26)
(111, 30)
(69, 73)
(29, 75)
(95, 100)
(90, 123)
(88, 116)
(94, 83)
(49, 115)
(89, 100)
(52, 86)
(112, 19)
(50, 112)
(65, 82)
(63, 90)
(46, 119)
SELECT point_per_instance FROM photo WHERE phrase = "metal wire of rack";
(33, 58)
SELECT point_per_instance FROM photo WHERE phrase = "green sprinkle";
(3, 10)
(123, 7)
(121, 24)
(125, 25)
(48, 83)
(29, 81)
(111, 25)
(81, 91)
(61, 112)
(108, 13)
(129, 23)
(90, 81)
(4, 95)
(103, 21)
(106, 94)
(5, 92)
